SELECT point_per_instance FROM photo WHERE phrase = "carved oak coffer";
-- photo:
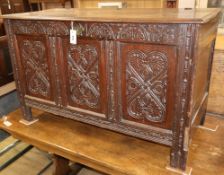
(138, 72)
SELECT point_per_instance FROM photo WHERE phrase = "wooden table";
(115, 153)
(97, 148)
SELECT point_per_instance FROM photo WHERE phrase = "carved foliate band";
(154, 33)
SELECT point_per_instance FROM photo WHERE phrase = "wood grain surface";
(121, 15)
(115, 153)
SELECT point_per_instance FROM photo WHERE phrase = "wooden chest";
(141, 72)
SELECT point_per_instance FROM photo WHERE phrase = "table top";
(115, 153)
(95, 147)
(122, 15)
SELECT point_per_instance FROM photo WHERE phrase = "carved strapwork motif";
(162, 33)
(83, 73)
(34, 58)
(147, 74)
(146, 85)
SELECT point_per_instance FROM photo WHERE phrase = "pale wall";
(186, 4)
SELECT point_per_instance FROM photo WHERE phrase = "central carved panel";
(146, 85)
(85, 82)
(84, 76)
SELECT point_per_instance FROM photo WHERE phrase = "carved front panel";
(35, 63)
(85, 72)
(147, 83)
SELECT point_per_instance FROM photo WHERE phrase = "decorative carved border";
(151, 135)
(153, 33)
(110, 82)
(39, 27)
(181, 121)
(55, 70)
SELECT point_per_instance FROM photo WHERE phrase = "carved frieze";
(40, 28)
(154, 33)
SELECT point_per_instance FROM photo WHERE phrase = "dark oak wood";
(13, 6)
(6, 74)
(7, 7)
(2, 31)
(146, 79)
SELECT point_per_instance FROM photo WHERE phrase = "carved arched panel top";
(153, 33)
(100, 31)
(40, 27)
(133, 32)
(56, 28)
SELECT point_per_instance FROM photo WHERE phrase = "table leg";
(61, 165)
